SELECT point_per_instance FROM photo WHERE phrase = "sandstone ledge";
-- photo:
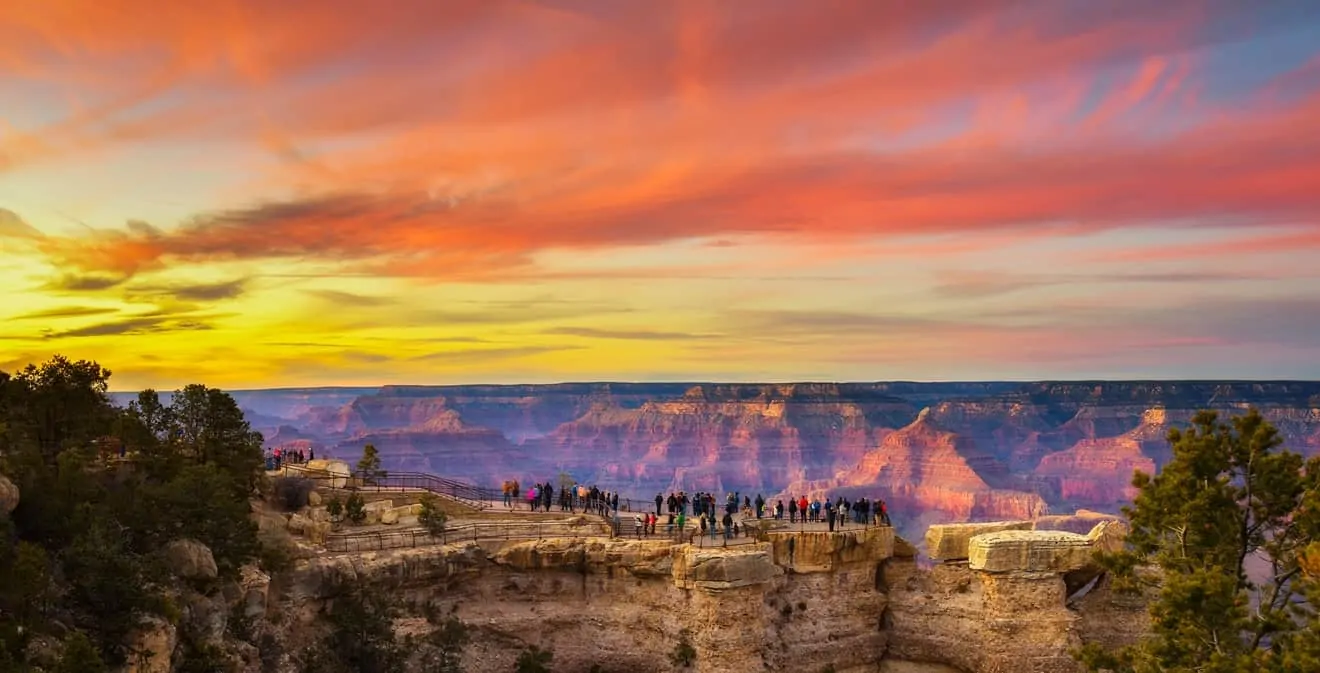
(949, 542)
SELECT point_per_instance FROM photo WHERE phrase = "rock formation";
(1018, 603)
(782, 601)
(8, 495)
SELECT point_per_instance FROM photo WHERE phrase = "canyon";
(935, 452)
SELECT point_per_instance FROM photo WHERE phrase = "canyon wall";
(850, 600)
(936, 452)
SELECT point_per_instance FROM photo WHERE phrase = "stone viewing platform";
(999, 597)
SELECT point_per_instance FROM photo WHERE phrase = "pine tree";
(1228, 495)
(369, 466)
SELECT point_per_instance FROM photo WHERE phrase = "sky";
(271, 194)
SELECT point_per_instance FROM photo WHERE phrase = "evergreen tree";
(80, 656)
(431, 518)
(369, 466)
(1227, 495)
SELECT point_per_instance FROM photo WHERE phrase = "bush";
(684, 653)
(356, 508)
(534, 660)
(292, 492)
(335, 508)
(431, 518)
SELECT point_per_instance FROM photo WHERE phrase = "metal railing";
(477, 497)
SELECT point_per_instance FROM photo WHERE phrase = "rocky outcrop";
(190, 559)
(950, 542)
(853, 599)
(1007, 607)
(8, 495)
(331, 473)
(1029, 551)
(151, 647)
(624, 604)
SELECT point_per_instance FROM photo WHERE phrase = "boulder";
(389, 517)
(152, 647)
(1108, 536)
(8, 495)
(299, 523)
(317, 532)
(1032, 551)
(335, 473)
(948, 542)
(375, 509)
(190, 559)
(314, 499)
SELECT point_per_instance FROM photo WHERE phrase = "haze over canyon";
(935, 452)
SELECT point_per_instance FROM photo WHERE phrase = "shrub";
(534, 660)
(355, 508)
(431, 518)
(684, 653)
(292, 492)
(335, 508)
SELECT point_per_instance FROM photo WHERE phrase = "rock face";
(980, 451)
(950, 542)
(853, 600)
(1007, 608)
(1032, 551)
(190, 559)
(8, 495)
(152, 647)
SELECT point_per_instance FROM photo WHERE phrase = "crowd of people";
(577, 497)
(278, 457)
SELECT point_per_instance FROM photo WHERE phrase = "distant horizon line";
(740, 383)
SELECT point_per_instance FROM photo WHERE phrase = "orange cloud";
(459, 140)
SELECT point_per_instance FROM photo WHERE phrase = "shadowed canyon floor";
(936, 452)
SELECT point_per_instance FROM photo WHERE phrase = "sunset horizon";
(287, 195)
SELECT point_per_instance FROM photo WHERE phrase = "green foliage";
(80, 656)
(361, 637)
(355, 508)
(431, 518)
(201, 658)
(79, 554)
(26, 590)
(334, 507)
(368, 467)
(534, 660)
(441, 650)
(684, 654)
(292, 492)
(198, 503)
(1227, 495)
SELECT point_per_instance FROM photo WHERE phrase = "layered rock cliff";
(785, 602)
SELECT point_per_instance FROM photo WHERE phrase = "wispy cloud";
(140, 325)
(349, 298)
(467, 356)
(626, 334)
(66, 312)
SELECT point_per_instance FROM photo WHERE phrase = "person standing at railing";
(728, 525)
